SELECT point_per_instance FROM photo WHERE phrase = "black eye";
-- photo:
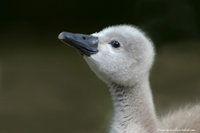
(115, 44)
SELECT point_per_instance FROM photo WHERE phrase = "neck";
(133, 108)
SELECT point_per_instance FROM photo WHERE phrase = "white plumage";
(125, 69)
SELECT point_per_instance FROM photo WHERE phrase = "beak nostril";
(84, 38)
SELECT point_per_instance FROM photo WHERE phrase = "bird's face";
(118, 54)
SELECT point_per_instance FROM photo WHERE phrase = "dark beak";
(85, 44)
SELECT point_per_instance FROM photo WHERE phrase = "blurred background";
(46, 87)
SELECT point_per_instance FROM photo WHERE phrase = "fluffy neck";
(133, 108)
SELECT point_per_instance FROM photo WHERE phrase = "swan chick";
(122, 56)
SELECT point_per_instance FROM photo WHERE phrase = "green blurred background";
(46, 87)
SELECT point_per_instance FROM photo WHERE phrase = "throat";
(133, 108)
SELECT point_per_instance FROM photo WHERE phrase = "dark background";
(163, 20)
(46, 87)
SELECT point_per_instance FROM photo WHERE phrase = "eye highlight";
(115, 44)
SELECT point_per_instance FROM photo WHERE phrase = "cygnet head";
(118, 54)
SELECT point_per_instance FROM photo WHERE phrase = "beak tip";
(61, 36)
